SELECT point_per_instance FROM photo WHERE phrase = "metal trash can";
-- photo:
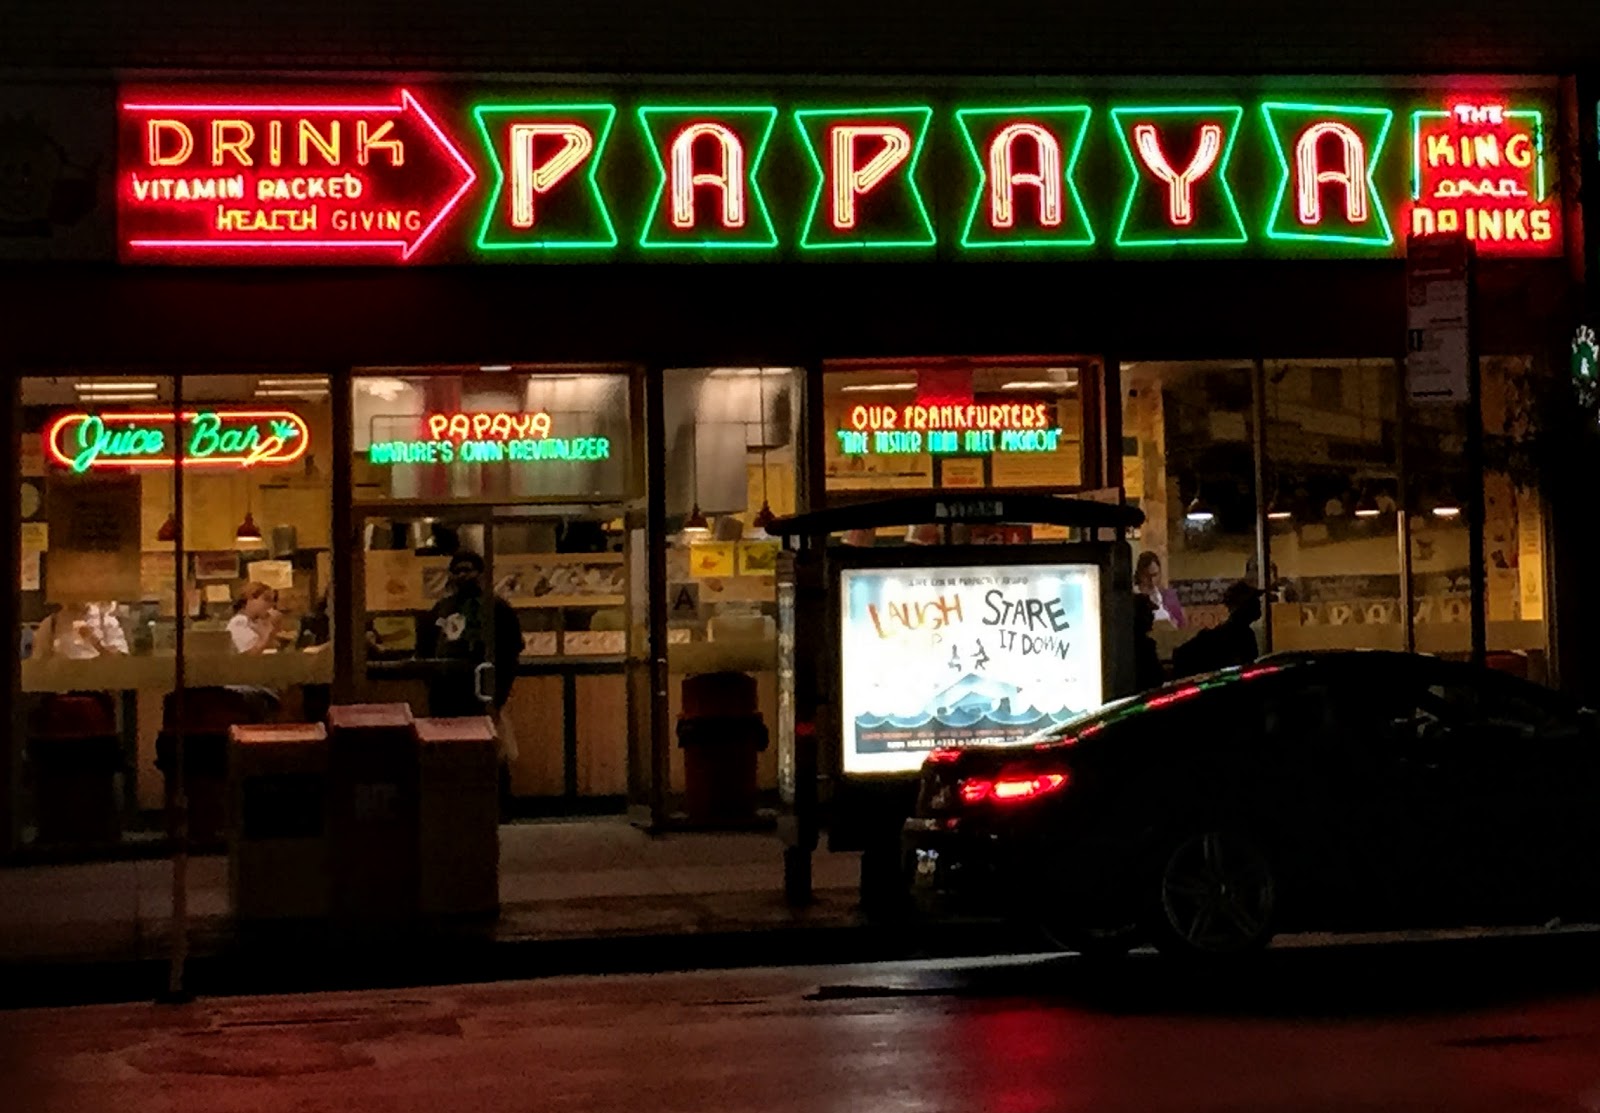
(458, 816)
(277, 838)
(372, 811)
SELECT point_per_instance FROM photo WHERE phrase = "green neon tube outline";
(644, 111)
(1371, 172)
(1237, 112)
(480, 112)
(1068, 172)
(922, 110)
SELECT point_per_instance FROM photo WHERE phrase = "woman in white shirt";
(254, 627)
(80, 631)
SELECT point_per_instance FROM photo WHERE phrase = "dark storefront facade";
(598, 332)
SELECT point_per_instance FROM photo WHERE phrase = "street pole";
(1477, 576)
(178, 798)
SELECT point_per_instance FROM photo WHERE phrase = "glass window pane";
(490, 433)
(98, 605)
(955, 426)
(1332, 511)
(732, 437)
(1188, 460)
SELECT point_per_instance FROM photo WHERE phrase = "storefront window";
(488, 433)
(1332, 505)
(731, 444)
(1516, 636)
(1016, 425)
(106, 579)
(526, 474)
(1188, 461)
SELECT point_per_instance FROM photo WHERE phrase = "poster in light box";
(969, 656)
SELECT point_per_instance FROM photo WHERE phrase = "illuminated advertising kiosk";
(888, 654)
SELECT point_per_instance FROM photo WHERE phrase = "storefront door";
(537, 638)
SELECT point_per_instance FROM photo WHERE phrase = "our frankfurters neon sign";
(84, 441)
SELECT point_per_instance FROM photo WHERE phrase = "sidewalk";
(576, 896)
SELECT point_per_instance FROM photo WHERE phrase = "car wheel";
(1214, 897)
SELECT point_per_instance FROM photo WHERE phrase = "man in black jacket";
(457, 635)
(1230, 642)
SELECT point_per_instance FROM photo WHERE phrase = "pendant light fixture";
(249, 534)
(1199, 512)
(1366, 505)
(1278, 509)
(1446, 506)
(696, 523)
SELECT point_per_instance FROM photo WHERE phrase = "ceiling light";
(317, 380)
(1040, 384)
(876, 388)
(493, 368)
(248, 535)
(696, 521)
(113, 385)
(1199, 512)
(97, 398)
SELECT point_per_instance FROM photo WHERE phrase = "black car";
(1351, 791)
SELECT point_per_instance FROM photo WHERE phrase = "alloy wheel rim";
(1217, 893)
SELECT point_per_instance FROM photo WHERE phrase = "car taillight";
(1010, 788)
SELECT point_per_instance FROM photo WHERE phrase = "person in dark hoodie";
(1230, 642)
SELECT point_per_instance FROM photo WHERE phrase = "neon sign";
(361, 178)
(1026, 194)
(1327, 155)
(1478, 169)
(1178, 189)
(977, 427)
(550, 199)
(488, 438)
(866, 192)
(385, 175)
(709, 193)
(215, 438)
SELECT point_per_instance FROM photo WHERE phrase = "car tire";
(1211, 896)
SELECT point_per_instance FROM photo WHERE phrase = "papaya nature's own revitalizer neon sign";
(213, 439)
(368, 176)
(488, 438)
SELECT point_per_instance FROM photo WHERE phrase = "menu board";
(963, 656)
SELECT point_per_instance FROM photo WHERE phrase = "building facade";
(320, 333)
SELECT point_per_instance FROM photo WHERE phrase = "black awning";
(915, 510)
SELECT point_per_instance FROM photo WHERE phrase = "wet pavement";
(1501, 1024)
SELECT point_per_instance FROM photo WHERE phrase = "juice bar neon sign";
(213, 439)
(487, 438)
(395, 176)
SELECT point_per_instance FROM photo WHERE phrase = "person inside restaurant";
(257, 625)
(81, 632)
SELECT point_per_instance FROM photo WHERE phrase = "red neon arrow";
(407, 246)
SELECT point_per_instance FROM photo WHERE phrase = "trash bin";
(721, 733)
(372, 811)
(277, 841)
(75, 756)
(458, 816)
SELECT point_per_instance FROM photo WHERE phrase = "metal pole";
(656, 591)
(1258, 391)
(1403, 508)
(178, 799)
(1477, 578)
